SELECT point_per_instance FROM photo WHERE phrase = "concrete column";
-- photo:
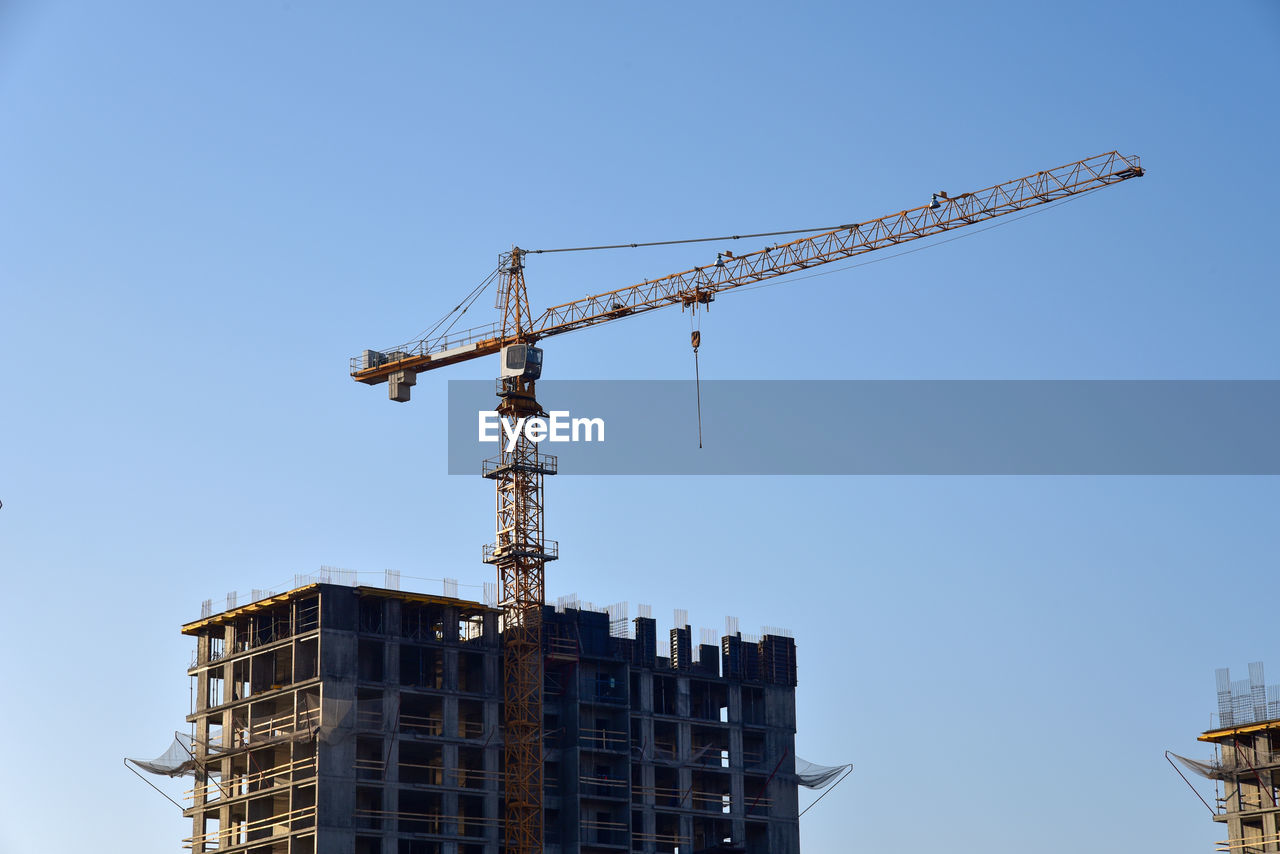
(648, 826)
(335, 755)
(450, 655)
(449, 799)
(644, 702)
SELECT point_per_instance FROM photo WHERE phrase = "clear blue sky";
(205, 208)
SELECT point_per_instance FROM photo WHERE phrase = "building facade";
(1247, 767)
(362, 720)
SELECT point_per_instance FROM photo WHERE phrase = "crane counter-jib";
(374, 366)
(700, 284)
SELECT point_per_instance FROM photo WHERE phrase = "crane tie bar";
(690, 240)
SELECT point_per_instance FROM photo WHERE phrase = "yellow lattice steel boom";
(701, 284)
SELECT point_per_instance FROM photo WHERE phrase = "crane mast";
(520, 550)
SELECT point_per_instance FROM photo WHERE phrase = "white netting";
(1210, 769)
(1236, 758)
(813, 776)
(338, 720)
(177, 761)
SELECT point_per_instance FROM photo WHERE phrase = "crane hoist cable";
(695, 334)
(695, 338)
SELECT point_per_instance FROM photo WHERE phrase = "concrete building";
(363, 720)
(1245, 766)
(1248, 768)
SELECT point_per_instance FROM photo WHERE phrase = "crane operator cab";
(522, 360)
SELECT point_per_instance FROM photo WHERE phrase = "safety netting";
(814, 776)
(1235, 759)
(177, 761)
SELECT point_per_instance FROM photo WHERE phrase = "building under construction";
(1245, 766)
(337, 718)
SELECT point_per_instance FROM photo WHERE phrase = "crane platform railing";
(434, 345)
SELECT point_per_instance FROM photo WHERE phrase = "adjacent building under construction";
(1245, 766)
(336, 718)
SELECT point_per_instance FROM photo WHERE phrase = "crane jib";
(701, 284)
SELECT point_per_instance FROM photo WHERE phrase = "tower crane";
(520, 551)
